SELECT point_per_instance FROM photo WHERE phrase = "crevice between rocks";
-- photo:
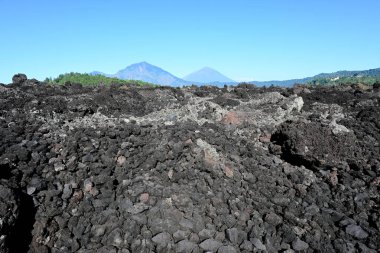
(298, 161)
(20, 236)
(5, 171)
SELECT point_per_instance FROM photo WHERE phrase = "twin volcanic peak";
(149, 73)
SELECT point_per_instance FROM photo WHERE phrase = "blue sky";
(243, 39)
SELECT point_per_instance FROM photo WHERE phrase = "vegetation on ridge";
(90, 80)
(93, 80)
(366, 80)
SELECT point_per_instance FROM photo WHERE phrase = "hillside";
(347, 80)
(89, 80)
(314, 79)
(361, 73)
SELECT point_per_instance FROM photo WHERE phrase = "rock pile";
(244, 169)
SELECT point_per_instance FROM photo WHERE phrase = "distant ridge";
(207, 75)
(343, 73)
(147, 72)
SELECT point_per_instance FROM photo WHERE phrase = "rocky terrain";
(237, 169)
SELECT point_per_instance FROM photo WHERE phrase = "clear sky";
(243, 39)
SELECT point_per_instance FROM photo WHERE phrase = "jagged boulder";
(315, 144)
(19, 79)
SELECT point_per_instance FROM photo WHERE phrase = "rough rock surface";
(127, 169)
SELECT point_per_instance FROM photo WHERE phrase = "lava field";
(199, 169)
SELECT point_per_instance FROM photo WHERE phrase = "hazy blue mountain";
(95, 73)
(207, 75)
(149, 73)
(344, 73)
(146, 72)
(284, 83)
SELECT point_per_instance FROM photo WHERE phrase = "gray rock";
(232, 235)
(227, 249)
(30, 190)
(210, 244)
(249, 177)
(125, 145)
(350, 248)
(106, 249)
(88, 158)
(98, 231)
(194, 238)
(361, 196)
(187, 224)
(356, 231)
(258, 244)
(299, 245)
(137, 208)
(341, 245)
(3, 88)
(185, 246)
(347, 221)
(115, 238)
(59, 167)
(273, 219)
(121, 160)
(206, 234)
(220, 236)
(281, 201)
(312, 210)
(35, 156)
(246, 245)
(162, 239)
(67, 191)
(363, 248)
(125, 203)
(180, 235)
(88, 185)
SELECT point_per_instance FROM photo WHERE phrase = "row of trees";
(90, 80)
(367, 80)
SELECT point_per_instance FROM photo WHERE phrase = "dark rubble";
(243, 169)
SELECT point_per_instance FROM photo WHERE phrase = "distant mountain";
(284, 83)
(146, 72)
(149, 73)
(344, 73)
(96, 73)
(207, 75)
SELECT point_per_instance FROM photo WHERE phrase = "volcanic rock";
(160, 169)
(356, 231)
(19, 79)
